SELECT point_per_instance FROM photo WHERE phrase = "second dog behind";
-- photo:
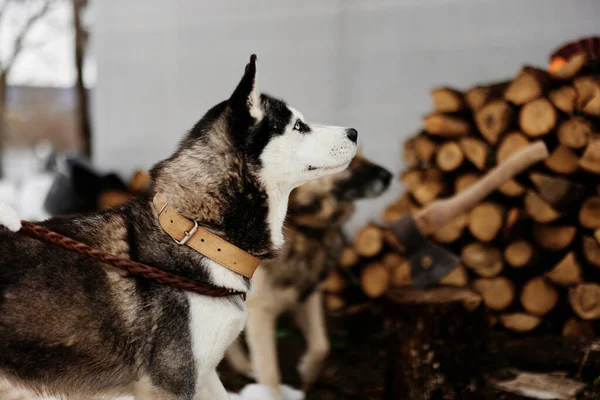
(314, 241)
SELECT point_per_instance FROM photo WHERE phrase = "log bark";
(475, 150)
(564, 98)
(538, 297)
(449, 156)
(591, 250)
(529, 84)
(567, 272)
(447, 100)
(375, 280)
(585, 300)
(589, 213)
(493, 120)
(420, 364)
(485, 260)
(497, 293)
(520, 322)
(446, 125)
(575, 132)
(348, 258)
(558, 192)
(576, 327)
(590, 161)
(485, 221)
(453, 230)
(369, 241)
(538, 117)
(519, 254)
(563, 160)
(538, 209)
(554, 237)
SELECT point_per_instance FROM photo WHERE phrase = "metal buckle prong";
(188, 235)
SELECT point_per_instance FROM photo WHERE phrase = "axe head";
(429, 262)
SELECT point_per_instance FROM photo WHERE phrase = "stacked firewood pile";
(531, 249)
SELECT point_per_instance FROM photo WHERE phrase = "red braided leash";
(132, 267)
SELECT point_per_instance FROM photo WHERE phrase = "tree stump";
(434, 343)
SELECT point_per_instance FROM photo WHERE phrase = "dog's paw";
(9, 217)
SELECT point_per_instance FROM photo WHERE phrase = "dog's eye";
(298, 125)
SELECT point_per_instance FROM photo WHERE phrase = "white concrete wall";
(367, 64)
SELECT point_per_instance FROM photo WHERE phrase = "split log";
(449, 156)
(424, 148)
(400, 276)
(478, 96)
(591, 250)
(348, 258)
(590, 161)
(554, 237)
(420, 363)
(538, 209)
(493, 120)
(557, 192)
(453, 230)
(585, 300)
(589, 213)
(564, 98)
(497, 293)
(369, 241)
(578, 328)
(464, 181)
(475, 150)
(399, 209)
(588, 95)
(447, 100)
(485, 221)
(334, 283)
(485, 260)
(520, 322)
(446, 125)
(538, 297)
(392, 260)
(519, 254)
(511, 188)
(427, 191)
(567, 272)
(457, 277)
(374, 280)
(512, 143)
(563, 160)
(572, 67)
(529, 84)
(575, 132)
(538, 117)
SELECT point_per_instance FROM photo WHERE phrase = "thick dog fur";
(74, 327)
(314, 241)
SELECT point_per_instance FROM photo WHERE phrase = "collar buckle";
(188, 235)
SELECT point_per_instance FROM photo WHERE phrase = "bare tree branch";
(20, 39)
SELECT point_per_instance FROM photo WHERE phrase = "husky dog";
(76, 327)
(314, 241)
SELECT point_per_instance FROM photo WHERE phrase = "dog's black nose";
(385, 176)
(352, 134)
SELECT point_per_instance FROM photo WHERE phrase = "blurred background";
(121, 82)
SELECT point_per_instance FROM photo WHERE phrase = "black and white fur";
(73, 327)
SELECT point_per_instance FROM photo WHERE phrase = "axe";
(430, 262)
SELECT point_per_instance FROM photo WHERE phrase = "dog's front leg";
(309, 316)
(210, 387)
(260, 335)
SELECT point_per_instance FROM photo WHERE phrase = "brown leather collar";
(189, 233)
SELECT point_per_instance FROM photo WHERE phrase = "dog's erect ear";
(245, 100)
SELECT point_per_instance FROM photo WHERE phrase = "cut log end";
(447, 100)
(348, 258)
(538, 297)
(497, 293)
(575, 132)
(578, 328)
(475, 150)
(449, 157)
(589, 213)
(538, 209)
(518, 254)
(585, 300)
(369, 241)
(567, 272)
(446, 125)
(554, 237)
(520, 322)
(563, 160)
(485, 221)
(375, 280)
(485, 260)
(493, 120)
(590, 161)
(538, 117)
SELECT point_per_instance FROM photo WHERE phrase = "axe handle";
(436, 215)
